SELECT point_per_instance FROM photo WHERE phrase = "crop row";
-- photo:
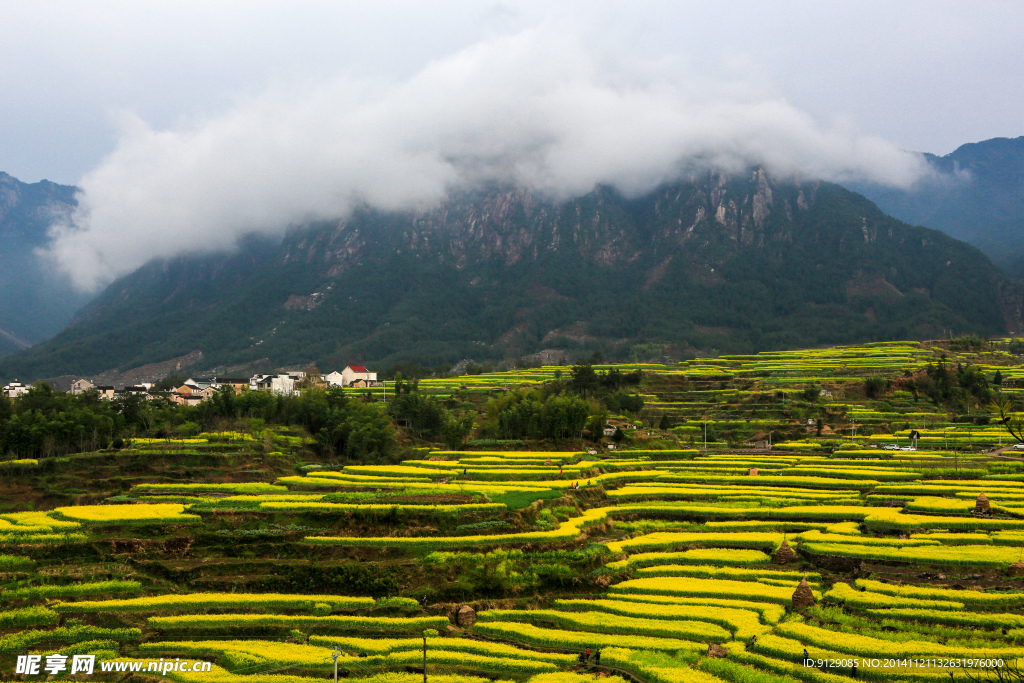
(711, 556)
(338, 508)
(790, 579)
(844, 594)
(199, 601)
(954, 618)
(472, 646)
(969, 597)
(604, 622)
(111, 587)
(743, 623)
(579, 640)
(213, 622)
(866, 646)
(749, 590)
(977, 556)
(241, 487)
(41, 539)
(138, 513)
(566, 531)
(10, 563)
(656, 559)
(672, 540)
(770, 612)
(407, 652)
(22, 640)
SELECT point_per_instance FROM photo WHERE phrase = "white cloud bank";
(535, 108)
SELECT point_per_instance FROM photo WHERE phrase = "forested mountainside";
(36, 303)
(714, 262)
(976, 196)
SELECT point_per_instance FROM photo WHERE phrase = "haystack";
(716, 650)
(1016, 569)
(982, 505)
(784, 554)
(802, 596)
(752, 472)
(466, 616)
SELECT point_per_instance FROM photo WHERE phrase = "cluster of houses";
(193, 391)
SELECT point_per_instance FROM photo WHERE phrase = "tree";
(1003, 412)
(811, 393)
(456, 431)
(875, 385)
(998, 379)
(312, 378)
(583, 378)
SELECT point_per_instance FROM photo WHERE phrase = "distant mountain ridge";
(712, 262)
(36, 303)
(977, 196)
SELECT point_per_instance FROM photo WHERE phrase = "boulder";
(784, 554)
(802, 596)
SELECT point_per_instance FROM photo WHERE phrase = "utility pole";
(424, 660)
(334, 656)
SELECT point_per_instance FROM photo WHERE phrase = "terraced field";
(677, 565)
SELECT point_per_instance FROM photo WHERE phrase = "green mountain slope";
(977, 197)
(36, 303)
(729, 263)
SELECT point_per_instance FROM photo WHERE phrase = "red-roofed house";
(351, 373)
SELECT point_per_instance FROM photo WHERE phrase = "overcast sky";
(927, 75)
(190, 123)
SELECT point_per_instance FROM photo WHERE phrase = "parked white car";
(1018, 446)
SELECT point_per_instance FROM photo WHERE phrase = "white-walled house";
(353, 372)
(80, 386)
(14, 389)
(283, 384)
(335, 379)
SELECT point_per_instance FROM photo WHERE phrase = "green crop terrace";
(794, 529)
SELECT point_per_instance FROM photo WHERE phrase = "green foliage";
(20, 642)
(28, 616)
(517, 500)
(875, 385)
(534, 414)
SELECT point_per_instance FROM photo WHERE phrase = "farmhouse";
(80, 386)
(14, 389)
(351, 373)
(239, 384)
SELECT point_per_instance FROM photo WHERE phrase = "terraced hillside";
(678, 565)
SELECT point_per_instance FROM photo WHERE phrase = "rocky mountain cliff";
(712, 262)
